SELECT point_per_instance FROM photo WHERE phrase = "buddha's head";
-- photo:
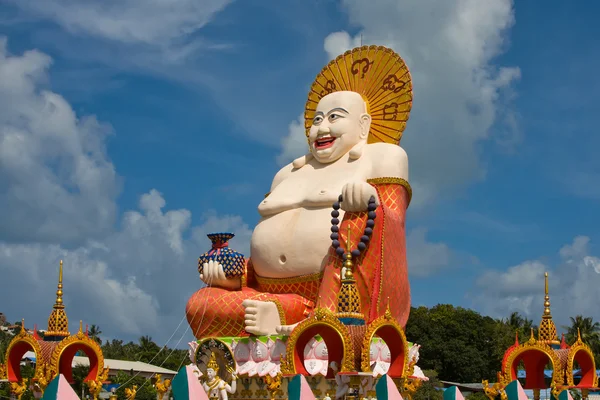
(341, 122)
(211, 373)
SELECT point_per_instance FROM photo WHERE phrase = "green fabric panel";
(179, 385)
(381, 389)
(51, 392)
(294, 388)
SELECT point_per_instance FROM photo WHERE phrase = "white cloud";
(58, 183)
(425, 258)
(147, 22)
(294, 144)
(58, 202)
(135, 281)
(573, 284)
(460, 94)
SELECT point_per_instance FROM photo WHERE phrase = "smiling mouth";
(324, 143)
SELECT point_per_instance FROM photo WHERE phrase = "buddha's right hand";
(213, 275)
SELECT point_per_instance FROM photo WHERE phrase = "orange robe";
(381, 275)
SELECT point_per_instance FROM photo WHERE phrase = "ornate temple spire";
(58, 323)
(547, 333)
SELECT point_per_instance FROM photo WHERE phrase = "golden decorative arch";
(320, 318)
(533, 345)
(22, 338)
(72, 344)
(381, 77)
(385, 321)
(580, 347)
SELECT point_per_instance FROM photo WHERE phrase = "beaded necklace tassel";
(349, 306)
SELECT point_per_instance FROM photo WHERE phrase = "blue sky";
(196, 108)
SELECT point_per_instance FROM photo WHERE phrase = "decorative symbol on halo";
(329, 88)
(390, 84)
(355, 66)
(390, 112)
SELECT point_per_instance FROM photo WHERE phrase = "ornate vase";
(233, 262)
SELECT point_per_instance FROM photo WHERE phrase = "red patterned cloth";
(382, 273)
(219, 312)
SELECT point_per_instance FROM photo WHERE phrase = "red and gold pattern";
(382, 272)
(219, 312)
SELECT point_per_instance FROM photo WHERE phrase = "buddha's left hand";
(356, 195)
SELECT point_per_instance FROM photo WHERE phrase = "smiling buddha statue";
(347, 195)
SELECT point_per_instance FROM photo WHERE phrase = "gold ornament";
(43, 376)
(19, 388)
(58, 323)
(273, 384)
(381, 77)
(323, 319)
(212, 363)
(580, 347)
(130, 393)
(161, 386)
(387, 320)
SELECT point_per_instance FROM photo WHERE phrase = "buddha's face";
(341, 121)
(211, 373)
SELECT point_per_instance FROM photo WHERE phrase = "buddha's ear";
(365, 123)
(302, 161)
(357, 151)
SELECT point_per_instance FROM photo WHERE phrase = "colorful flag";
(298, 389)
(452, 393)
(186, 386)
(386, 389)
(514, 391)
(59, 388)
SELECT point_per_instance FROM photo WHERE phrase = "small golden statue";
(95, 386)
(161, 386)
(19, 388)
(273, 384)
(43, 377)
(215, 387)
(130, 393)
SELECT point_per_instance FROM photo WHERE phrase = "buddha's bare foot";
(261, 317)
(286, 330)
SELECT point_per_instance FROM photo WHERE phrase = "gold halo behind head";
(381, 77)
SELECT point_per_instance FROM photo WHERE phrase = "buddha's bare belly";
(291, 243)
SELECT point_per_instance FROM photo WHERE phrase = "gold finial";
(546, 298)
(212, 363)
(578, 335)
(22, 324)
(547, 330)
(59, 292)
(58, 323)
(80, 326)
(348, 264)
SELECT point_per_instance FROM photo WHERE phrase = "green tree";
(589, 330)
(145, 390)
(431, 389)
(94, 333)
(460, 344)
(147, 349)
